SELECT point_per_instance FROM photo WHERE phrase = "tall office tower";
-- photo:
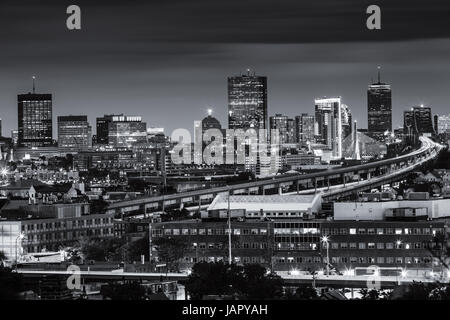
(0, 127)
(247, 102)
(74, 132)
(379, 108)
(418, 121)
(15, 137)
(443, 124)
(346, 118)
(35, 120)
(280, 122)
(102, 125)
(126, 131)
(435, 123)
(291, 131)
(329, 124)
(304, 128)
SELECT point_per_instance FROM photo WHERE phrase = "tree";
(248, 282)
(305, 293)
(257, 284)
(208, 279)
(11, 284)
(102, 249)
(138, 248)
(170, 250)
(124, 291)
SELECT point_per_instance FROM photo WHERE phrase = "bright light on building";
(404, 273)
(295, 272)
(4, 172)
(325, 239)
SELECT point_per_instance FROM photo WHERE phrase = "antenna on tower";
(379, 76)
(34, 84)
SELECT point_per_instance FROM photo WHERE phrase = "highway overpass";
(338, 281)
(373, 174)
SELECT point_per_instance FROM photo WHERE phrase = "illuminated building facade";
(328, 115)
(247, 102)
(379, 108)
(35, 120)
(126, 131)
(74, 132)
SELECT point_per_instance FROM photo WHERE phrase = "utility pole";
(229, 230)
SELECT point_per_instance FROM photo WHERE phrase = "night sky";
(168, 60)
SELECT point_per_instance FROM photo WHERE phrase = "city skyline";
(147, 65)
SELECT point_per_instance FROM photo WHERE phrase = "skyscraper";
(74, 132)
(35, 120)
(443, 124)
(418, 121)
(247, 102)
(304, 128)
(102, 129)
(329, 123)
(379, 108)
(346, 118)
(280, 122)
(126, 131)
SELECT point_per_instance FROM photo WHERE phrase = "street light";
(326, 240)
(20, 237)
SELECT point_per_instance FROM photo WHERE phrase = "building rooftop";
(266, 202)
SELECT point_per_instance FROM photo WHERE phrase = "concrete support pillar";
(298, 186)
(343, 179)
(315, 184)
(328, 183)
(280, 190)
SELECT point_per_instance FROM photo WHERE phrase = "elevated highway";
(338, 281)
(372, 173)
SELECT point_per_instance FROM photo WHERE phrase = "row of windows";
(59, 225)
(258, 260)
(378, 245)
(245, 245)
(69, 235)
(381, 231)
(208, 231)
(356, 260)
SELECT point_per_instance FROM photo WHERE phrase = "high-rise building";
(0, 127)
(74, 132)
(418, 121)
(379, 107)
(304, 128)
(280, 122)
(443, 125)
(247, 102)
(126, 131)
(346, 118)
(102, 129)
(329, 123)
(35, 120)
(209, 122)
(15, 137)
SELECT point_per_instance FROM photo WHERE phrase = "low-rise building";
(27, 228)
(295, 244)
